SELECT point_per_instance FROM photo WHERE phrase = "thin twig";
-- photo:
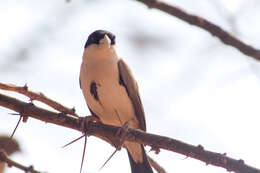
(215, 30)
(108, 132)
(38, 96)
(10, 162)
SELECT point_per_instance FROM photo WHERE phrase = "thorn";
(41, 94)
(185, 157)
(83, 155)
(25, 86)
(14, 114)
(73, 141)
(200, 147)
(122, 132)
(108, 159)
(241, 161)
(85, 143)
(73, 109)
(16, 126)
(29, 169)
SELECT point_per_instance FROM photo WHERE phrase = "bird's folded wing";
(128, 81)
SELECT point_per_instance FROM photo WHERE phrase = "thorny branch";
(4, 158)
(57, 106)
(38, 96)
(104, 131)
(215, 30)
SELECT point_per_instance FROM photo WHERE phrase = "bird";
(111, 92)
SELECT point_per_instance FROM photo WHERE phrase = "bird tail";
(137, 167)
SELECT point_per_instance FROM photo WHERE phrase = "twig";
(4, 158)
(38, 96)
(108, 132)
(215, 30)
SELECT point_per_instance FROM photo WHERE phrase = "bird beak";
(105, 41)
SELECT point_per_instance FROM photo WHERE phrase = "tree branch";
(107, 131)
(10, 162)
(38, 96)
(215, 30)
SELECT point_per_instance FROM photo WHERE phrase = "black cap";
(96, 36)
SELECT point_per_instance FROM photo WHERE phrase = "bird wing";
(127, 80)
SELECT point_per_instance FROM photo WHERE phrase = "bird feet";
(122, 132)
(85, 121)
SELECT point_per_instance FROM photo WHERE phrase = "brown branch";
(215, 30)
(9, 145)
(30, 110)
(107, 131)
(38, 96)
(10, 162)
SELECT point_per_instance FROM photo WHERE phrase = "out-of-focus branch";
(4, 158)
(38, 96)
(107, 131)
(9, 146)
(215, 30)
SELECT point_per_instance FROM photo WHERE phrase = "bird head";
(101, 38)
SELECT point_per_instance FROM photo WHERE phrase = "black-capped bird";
(111, 92)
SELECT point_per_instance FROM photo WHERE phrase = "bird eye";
(113, 39)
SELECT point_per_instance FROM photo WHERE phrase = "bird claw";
(85, 121)
(91, 118)
(122, 132)
(155, 148)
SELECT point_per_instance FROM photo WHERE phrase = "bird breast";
(113, 105)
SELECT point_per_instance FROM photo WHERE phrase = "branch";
(215, 30)
(107, 131)
(38, 96)
(4, 158)
(9, 145)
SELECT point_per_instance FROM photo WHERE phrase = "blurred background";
(193, 87)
